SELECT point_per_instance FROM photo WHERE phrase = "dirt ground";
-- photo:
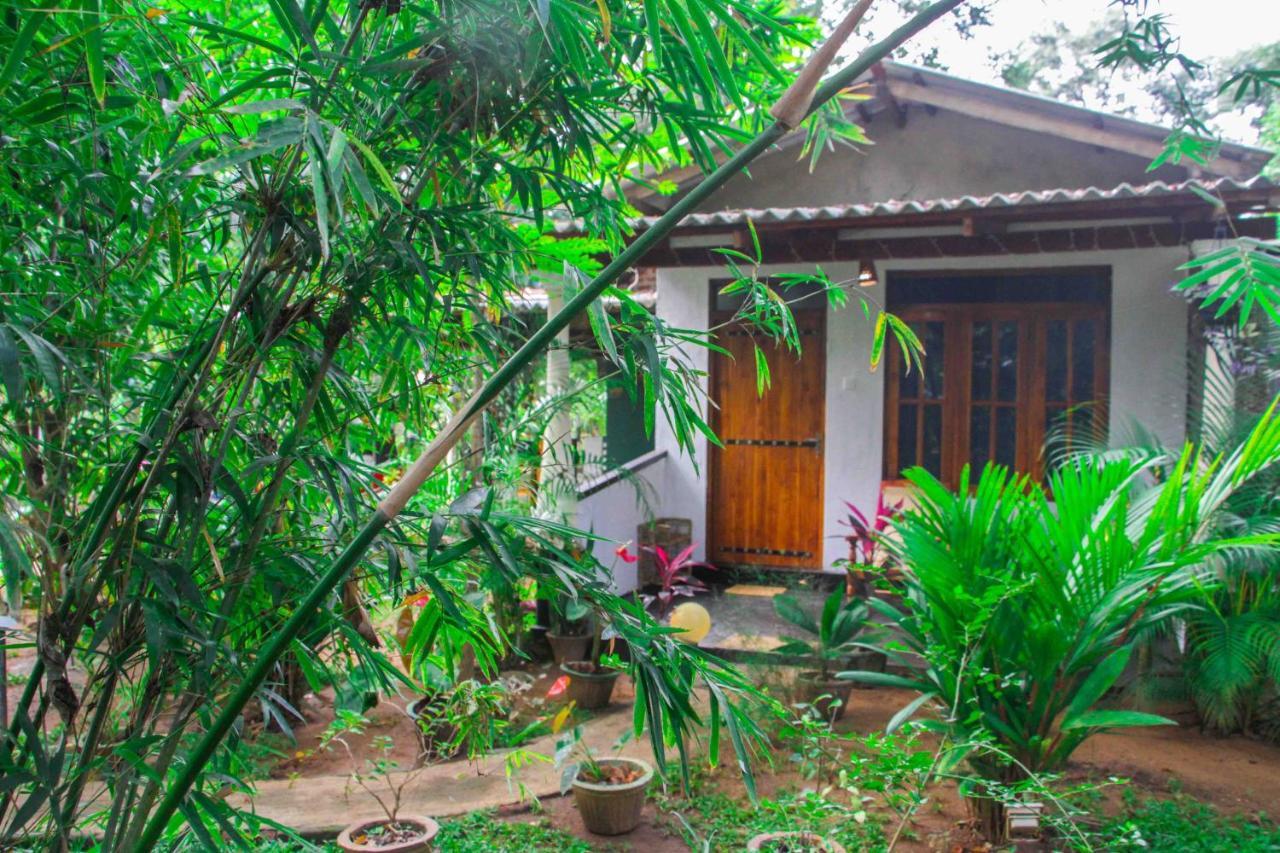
(1237, 775)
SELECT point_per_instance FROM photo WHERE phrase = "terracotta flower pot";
(565, 648)
(612, 809)
(822, 694)
(355, 838)
(792, 842)
(590, 685)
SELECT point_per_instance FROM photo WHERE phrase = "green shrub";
(717, 821)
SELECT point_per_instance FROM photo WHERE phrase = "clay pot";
(867, 661)
(821, 694)
(590, 685)
(612, 809)
(565, 648)
(435, 737)
(801, 840)
(418, 844)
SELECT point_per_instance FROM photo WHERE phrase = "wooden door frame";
(957, 316)
(815, 310)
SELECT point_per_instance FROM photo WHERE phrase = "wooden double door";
(998, 380)
(764, 497)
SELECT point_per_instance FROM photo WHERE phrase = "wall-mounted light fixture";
(867, 274)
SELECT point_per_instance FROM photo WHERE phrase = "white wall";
(614, 511)
(1148, 374)
(684, 301)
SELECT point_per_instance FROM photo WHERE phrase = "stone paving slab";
(320, 806)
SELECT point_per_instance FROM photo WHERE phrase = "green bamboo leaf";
(294, 22)
(678, 15)
(878, 339)
(653, 22)
(21, 44)
(255, 107)
(763, 380)
(17, 566)
(46, 357)
(321, 198)
(10, 367)
(247, 152)
(378, 169)
(93, 50)
(361, 181)
(711, 46)
(239, 35)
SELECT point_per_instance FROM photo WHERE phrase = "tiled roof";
(911, 207)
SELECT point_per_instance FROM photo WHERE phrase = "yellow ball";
(693, 620)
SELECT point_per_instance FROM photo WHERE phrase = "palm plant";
(1024, 604)
(1230, 643)
(840, 631)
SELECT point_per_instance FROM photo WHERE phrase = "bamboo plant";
(252, 256)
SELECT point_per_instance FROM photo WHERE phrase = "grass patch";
(483, 831)
(1185, 825)
(717, 821)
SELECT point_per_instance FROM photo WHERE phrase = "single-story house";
(1025, 240)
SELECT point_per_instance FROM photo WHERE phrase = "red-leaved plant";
(675, 577)
(866, 535)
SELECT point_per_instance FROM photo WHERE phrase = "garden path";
(320, 806)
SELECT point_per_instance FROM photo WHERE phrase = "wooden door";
(764, 500)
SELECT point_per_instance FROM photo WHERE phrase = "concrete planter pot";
(822, 694)
(867, 661)
(612, 809)
(568, 647)
(590, 685)
(355, 839)
(435, 737)
(793, 842)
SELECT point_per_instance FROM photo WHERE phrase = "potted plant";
(836, 636)
(864, 544)
(609, 792)
(570, 630)
(675, 579)
(590, 682)
(437, 736)
(396, 834)
(392, 832)
(466, 719)
(793, 842)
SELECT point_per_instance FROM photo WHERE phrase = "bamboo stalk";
(436, 451)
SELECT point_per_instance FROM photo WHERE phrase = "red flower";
(559, 687)
(627, 556)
